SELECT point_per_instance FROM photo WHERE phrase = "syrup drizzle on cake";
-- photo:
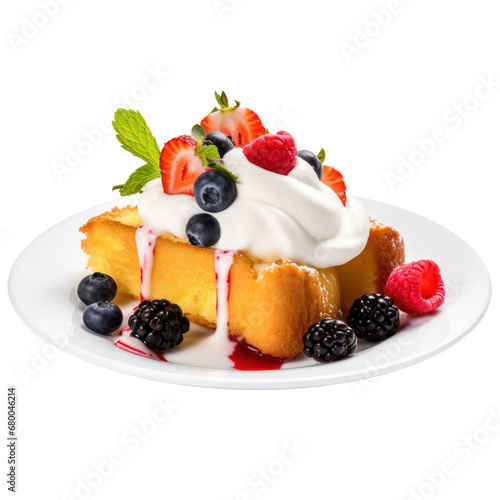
(224, 260)
(135, 346)
(219, 345)
(145, 238)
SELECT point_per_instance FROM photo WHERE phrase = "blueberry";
(102, 317)
(214, 191)
(221, 141)
(203, 230)
(96, 287)
(313, 160)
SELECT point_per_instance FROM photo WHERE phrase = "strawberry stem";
(223, 102)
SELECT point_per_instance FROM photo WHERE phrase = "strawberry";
(242, 124)
(180, 167)
(335, 181)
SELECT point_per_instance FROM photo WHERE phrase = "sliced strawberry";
(242, 124)
(180, 167)
(335, 181)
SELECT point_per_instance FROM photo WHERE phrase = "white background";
(285, 59)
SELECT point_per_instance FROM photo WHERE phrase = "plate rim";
(273, 379)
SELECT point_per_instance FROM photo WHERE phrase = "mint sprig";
(137, 180)
(198, 134)
(135, 136)
(217, 166)
(208, 154)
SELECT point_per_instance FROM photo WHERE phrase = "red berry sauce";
(247, 358)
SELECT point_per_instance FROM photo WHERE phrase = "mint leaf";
(218, 166)
(198, 134)
(138, 180)
(208, 152)
(208, 156)
(135, 136)
(321, 156)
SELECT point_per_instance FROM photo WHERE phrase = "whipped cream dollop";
(294, 217)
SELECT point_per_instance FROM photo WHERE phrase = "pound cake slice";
(270, 307)
(368, 272)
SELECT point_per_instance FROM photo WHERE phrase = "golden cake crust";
(270, 309)
(368, 272)
(388, 245)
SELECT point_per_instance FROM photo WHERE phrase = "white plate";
(43, 281)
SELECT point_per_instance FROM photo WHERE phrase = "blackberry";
(329, 340)
(374, 317)
(159, 324)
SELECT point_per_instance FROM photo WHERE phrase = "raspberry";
(274, 152)
(416, 287)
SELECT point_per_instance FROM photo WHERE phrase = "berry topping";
(274, 152)
(242, 124)
(221, 141)
(214, 191)
(96, 287)
(159, 324)
(329, 340)
(180, 166)
(335, 181)
(102, 317)
(203, 230)
(313, 160)
(416, 287)
(373, 317)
